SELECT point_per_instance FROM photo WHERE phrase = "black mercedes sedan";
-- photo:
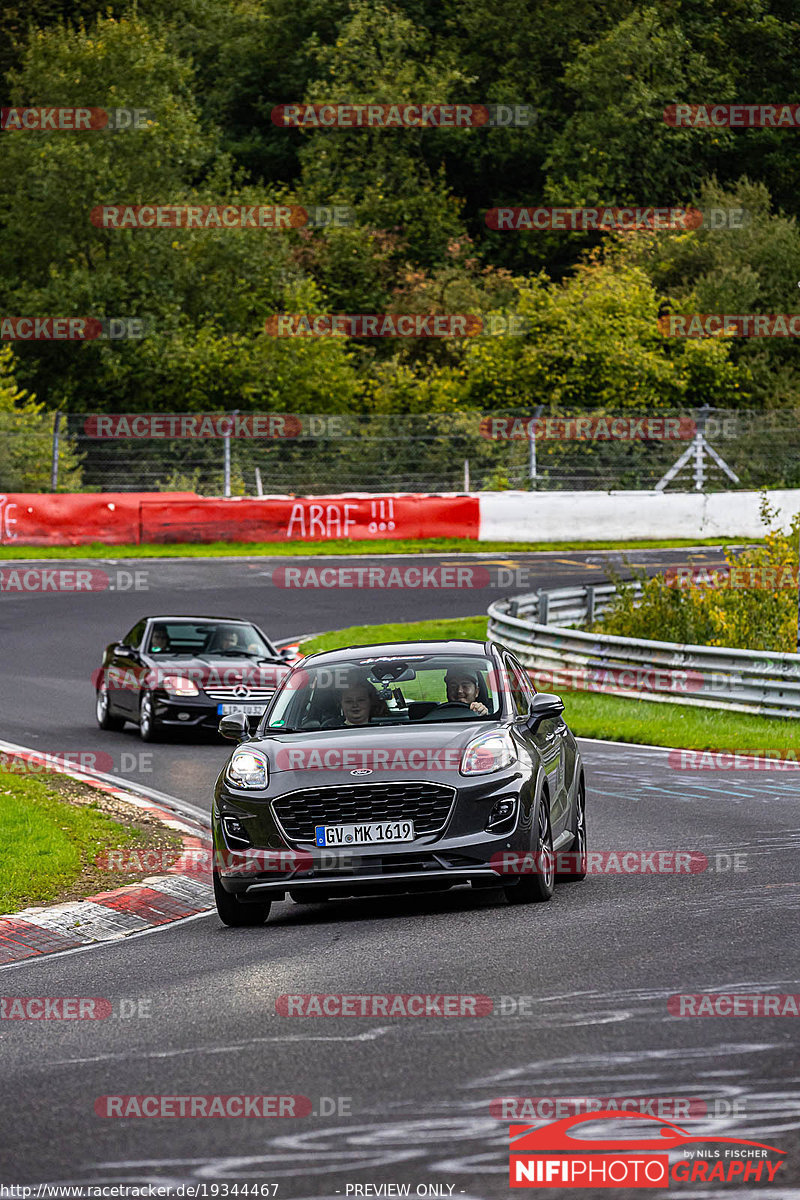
(175, 672)
(395, 768)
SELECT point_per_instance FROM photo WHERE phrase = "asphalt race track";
(580, 986)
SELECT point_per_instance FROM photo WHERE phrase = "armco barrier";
(33, 519)
(534, 627)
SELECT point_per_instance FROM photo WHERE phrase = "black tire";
(236, 913)
(303, 897)
(538, 887)
(149, 727)
(578, 845)
(104, 718)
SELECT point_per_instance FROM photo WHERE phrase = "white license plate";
(249, 710)
(364, 835)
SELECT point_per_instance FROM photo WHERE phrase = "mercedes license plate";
(249, 710)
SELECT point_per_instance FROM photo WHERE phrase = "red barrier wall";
(113, 518)
(308, 518)
(34, 519)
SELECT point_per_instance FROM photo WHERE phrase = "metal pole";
(54, 464)
(226, 489)
(259, 488)
(226, 481)
(699, 449)
(466, 474)
(532, 444)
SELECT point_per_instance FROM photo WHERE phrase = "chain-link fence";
(254, 454)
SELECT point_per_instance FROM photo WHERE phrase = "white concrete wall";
(626, 516)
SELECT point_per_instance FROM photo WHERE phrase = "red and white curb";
(179, 893)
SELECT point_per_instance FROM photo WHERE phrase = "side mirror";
(235, 727)
(544, 705)
(286, 654)
(122, 648)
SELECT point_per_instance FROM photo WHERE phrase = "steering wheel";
(452, 704)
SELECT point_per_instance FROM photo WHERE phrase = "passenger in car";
(360, 702)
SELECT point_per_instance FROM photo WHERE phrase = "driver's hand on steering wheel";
(479, 708)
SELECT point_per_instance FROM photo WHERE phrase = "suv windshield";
(390, 690)
(208, 637)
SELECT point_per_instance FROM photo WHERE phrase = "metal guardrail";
(537, 628)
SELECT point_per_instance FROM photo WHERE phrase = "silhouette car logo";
(241, 692)
(557, 1136)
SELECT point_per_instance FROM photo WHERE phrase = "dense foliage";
(210, 71)
(751, 604)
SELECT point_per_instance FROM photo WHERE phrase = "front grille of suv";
(426, 804)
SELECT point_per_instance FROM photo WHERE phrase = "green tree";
(26, 430)
(394, 178)
(205, 293)
(752, 269)
(593, 343)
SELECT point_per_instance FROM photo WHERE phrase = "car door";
(124, 672)
(549, 740)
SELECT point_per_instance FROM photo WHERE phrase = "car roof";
(175, 617)
(465, 648)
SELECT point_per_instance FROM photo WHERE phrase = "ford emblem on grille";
(362, 771)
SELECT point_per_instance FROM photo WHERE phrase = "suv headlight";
(176, 685)
(488, 752)
(248, 769)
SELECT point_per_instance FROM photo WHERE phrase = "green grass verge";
(364, 546)
(52, 832)
(409, 631)
(593, 715)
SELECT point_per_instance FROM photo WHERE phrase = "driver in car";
(159, 642)
(462, 685)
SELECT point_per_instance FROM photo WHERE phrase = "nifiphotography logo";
(561, 1154)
